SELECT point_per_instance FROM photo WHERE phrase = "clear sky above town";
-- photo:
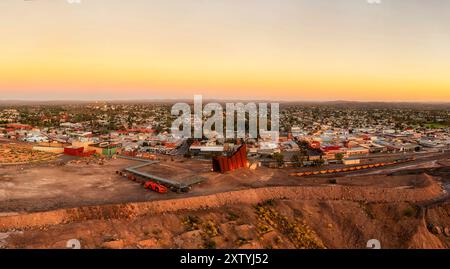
(398, 50)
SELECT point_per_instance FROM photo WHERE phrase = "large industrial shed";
(238, 159)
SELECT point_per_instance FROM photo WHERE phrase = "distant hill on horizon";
(400, 104)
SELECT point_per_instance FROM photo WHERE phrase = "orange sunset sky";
(250, 49)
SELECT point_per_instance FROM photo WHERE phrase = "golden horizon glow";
(283, 50)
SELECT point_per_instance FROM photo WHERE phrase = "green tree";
(279, 158)
(339, 156)
(297, 160)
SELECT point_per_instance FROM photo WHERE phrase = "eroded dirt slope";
(270, 224)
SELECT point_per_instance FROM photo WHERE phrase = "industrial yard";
(29, 188)
(250, 218)
(244, 208)
(166, 200)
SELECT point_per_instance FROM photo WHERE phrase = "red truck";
(155, 187)
(148, 184)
